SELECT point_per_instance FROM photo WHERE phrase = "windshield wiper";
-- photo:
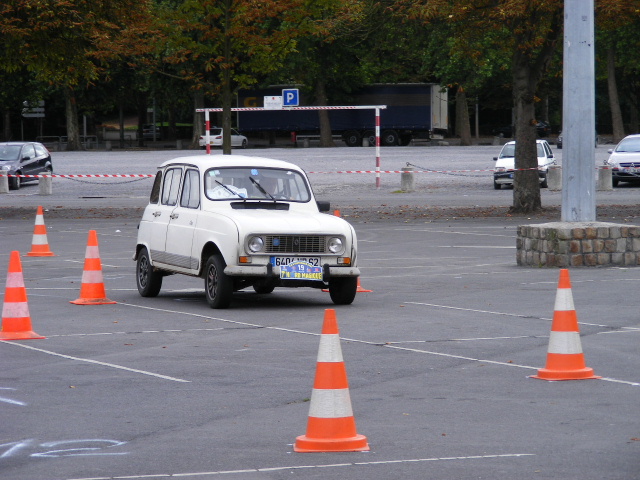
(230, 191)
(264, 192)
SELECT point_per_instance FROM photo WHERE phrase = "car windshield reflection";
(255, 184)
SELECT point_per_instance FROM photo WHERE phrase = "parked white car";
(505, 163)
(215, 138)
(240, 222)
(625, 160)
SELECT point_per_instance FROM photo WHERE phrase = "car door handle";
(156, 214)
(173, 216)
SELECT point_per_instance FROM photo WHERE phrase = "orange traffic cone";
(92, 291)
(16, 321)
(331, 426)
(565, 360)
(40, 244)
(336, 213)
(360, 289)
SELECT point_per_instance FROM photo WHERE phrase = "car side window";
(171, 186)
(191, 190)
(28, 152)
(155, 190)
(40, 151)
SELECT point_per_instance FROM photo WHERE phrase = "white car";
(505, 163)
(215, 138)
(239, 222)
(625, 160)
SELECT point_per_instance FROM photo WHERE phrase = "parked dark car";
(151, 132)
(560, 138)
(24, 158)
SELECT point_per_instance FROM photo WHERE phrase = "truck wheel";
(218, 287)
(149, 281)
(352, 138)
(342, 290)
(371, 136)
(390, 138)
(405, 140)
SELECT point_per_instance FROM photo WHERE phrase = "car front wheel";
(343, 290)
(148, 280)
(218, 287)
(15, 182)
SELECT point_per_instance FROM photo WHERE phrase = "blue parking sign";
(290, 97)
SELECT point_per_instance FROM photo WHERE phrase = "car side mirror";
(495, 159)
(323, 205)
(610, 151)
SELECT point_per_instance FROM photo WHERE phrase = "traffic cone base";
(40, 244)
(92, 290)
(565, 360)
(16, 321)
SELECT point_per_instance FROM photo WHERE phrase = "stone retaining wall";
(578, 244)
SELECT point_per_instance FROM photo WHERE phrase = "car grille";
(630, 165)
(295, 243)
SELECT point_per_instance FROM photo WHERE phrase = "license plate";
(278, 261)
(300, 270)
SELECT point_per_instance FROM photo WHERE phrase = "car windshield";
(509, 150)
(9, 153)
(629, 145)
(255, 183)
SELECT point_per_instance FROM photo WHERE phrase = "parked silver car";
(24, 158)
(625, 160)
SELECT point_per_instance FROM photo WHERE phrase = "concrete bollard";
(306, 143)
(554, 177)
(45, 185)
(365, 142)
(407, 180)
(4, 184)
(107, 145)
(178, 144)
(604, 179)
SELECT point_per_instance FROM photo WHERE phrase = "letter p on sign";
(290, 97)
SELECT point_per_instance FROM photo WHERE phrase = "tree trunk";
(326, 138)
(526, 186)
(463, 127)
(7, 134)
(616, 113)
(73, 129)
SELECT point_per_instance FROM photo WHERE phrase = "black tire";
(148, 280)
(614, 182)
(218, 287)
(390, 138)
(263, 287)
(496, 185)
(244, 144)
(343, 290)
(544, 183)
(352, 138)
(371, 136)
(15, 182)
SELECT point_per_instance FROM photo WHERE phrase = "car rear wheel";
(496, 185)
(218, 287)
(15, 182)
(148, 280)
(343, 290)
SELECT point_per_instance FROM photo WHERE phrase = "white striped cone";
(331, 426)
(40, 243)
(565, 360)
(92, 291)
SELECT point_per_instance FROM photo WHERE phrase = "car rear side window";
(171, 186)
(191, 190)
(155, 190)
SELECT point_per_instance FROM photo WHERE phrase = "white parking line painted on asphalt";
(299, 467)
(96, 362)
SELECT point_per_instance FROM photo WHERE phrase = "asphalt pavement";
(438, 353)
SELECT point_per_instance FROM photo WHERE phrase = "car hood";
(624, 157)
(509, 162)
(288, 222)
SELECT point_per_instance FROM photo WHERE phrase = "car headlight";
(500, 170)
(5, 167)
(335, 245)
(255, 244)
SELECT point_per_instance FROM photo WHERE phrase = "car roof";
(211, 161)
(17, 143)
(512, 142)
